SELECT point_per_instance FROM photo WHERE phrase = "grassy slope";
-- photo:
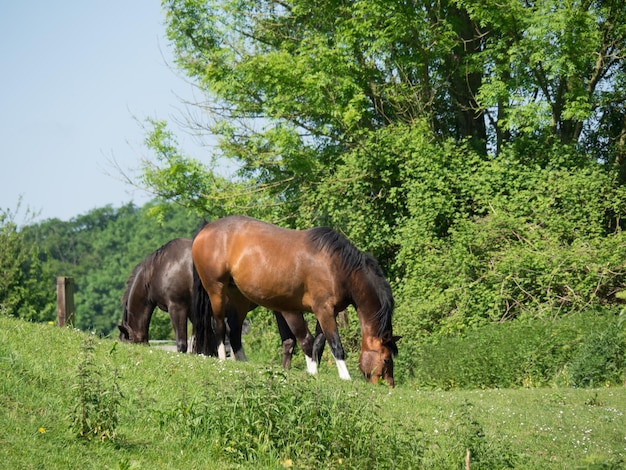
(531, 428)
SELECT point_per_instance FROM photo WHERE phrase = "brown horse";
(165, 279)
(245, 260)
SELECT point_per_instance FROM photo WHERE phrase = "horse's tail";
(201, 315)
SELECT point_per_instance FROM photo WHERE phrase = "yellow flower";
(288, 463)
(42, 430)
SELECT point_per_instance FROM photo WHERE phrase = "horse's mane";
(335, 244)
(351, 259)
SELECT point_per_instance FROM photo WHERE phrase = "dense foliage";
(24, 280)
(476, 149)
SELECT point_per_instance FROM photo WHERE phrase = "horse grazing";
(244, 260)
(165, 279)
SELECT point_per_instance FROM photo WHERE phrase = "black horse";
(165, 279)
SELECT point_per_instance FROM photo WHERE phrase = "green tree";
(26, 284)
(300, 91)
(450, 138)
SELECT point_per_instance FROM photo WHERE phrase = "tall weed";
(601, 359)
(97, 398)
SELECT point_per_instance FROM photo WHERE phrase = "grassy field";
(140, 407)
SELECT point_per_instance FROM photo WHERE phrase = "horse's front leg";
(297, 324)
(328, 324)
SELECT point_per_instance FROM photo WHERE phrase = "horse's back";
(172, 272)
(271, 265)
(226, 241)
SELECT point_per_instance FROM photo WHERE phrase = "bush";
(512, 241)
(601, 359)
(580, 350)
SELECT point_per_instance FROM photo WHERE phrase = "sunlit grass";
(171, 403)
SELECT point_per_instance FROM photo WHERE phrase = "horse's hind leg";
(319, 343)
(218, 304)
(237, 309)
(235, 324)
(178, 315)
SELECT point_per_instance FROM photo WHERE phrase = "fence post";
(65, 301)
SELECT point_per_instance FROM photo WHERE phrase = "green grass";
(183, 411)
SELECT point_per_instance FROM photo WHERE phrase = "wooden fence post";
(65, 300)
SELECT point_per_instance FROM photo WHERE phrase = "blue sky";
(75, 76)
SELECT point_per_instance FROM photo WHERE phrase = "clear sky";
(75, 76)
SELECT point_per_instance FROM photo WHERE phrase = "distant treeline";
(98, 249)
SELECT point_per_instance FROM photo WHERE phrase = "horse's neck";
(364, 296)
(138, 299)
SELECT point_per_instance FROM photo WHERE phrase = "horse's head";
(376, 361)
(127, 335)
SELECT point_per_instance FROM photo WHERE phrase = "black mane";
(331, 241)
(129, 284)
(351, 259)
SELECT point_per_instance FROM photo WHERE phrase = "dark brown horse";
(245, 260)
(165, 279)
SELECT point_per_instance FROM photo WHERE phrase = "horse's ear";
(389, 338)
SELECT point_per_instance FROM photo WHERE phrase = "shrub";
(511, 241)
(601, 358)
(532, 353)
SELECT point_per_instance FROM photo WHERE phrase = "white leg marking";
(241, 355)
(221, 351)
(311, 365)
(343, 370)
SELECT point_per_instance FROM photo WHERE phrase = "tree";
(296, 90)
(26, 285)
(417, 128)
(552, 69)
(99, 249)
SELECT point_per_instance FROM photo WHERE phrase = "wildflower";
(42, 430)
(288, 463)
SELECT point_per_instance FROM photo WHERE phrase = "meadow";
(70, 400)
